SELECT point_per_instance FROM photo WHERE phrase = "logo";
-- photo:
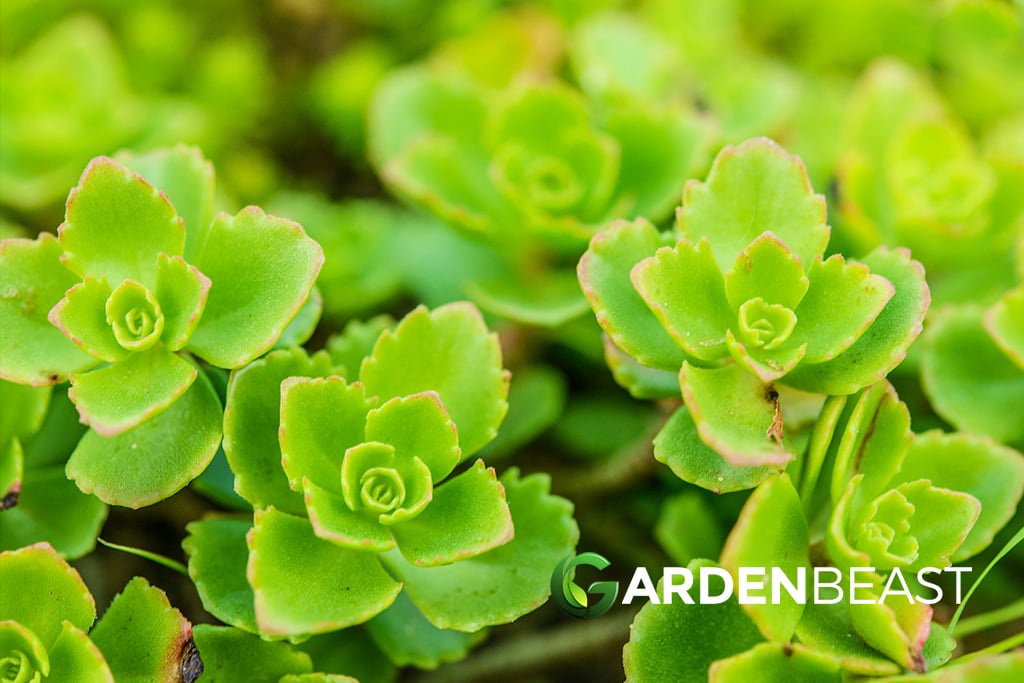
(575, 601)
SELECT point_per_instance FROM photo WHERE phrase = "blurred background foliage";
(909, 115)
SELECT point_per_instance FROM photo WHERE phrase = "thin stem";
(517, 658)
(821, 438)
(995, 649)
(1010, 545)
(154, 557)
(997, 617)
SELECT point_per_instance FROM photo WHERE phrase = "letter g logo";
(573, 600)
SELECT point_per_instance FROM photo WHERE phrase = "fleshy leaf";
(766, 269)
(350, 652)
(142, 637)
(894, 628)
(548, 300)
(736, 414)
(39, 590)
(230, 655)
(827, 629)
(339, 410)
(467, 516)
(334, 521)
(217, 557)
(884, 345)
(990, 472)
(252, 417)
(685, 290)
(356, 342)
(304, 584)
(1005, 322)
(656, 653)
(640, 381)
(408, 638)
(776, 663)
(262, 269)
(753, 188)
(464, 595)
(26, 654)
(116, 225)
(678, 446)
(941, 520)
(187, 179)
(771, 532)
(51, 508)
(448, 350)
(155, 459)
(604, 275)
(74, 657)
(81, 316)
(843, 301)
(181, 290)
(32, 281)
(970, 381)
(118, 397)
(417, 426)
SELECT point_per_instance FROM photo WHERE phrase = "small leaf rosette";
(744, 298)
(123, 298)
(534, 164)
(46, 613)
(373, 492)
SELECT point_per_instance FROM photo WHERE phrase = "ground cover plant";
(489, 341)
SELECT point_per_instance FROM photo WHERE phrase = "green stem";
(996, 649)
(1010, 545)
(821, 438)
(154, 557)
(997, 617)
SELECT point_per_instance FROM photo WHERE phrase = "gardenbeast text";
(763, 585)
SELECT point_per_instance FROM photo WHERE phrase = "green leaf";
(350, 652)
(941, 520)
(339, 412)
(25, 408)
(736, 415)
(467, 516)
(771, 532)
(688, 528)
(188, 180)
(74, 657)
(32, 281)
(230, 655)
(305, 322)
(545, 299)
(884, 344)
(604, 275)
(407, 638)
(970, 381)
(776, 663)
(155, 459)
(262, 269)
(895, 628)
(656, 653)
(660, 146)
(640, 381)
(843, 301)
(356, 342)
(1005, 322)
(22, 648)
(679, 446)
(414, 103)
(685, 290)
(39, 590)
(182, 291)
(828, 630)
(217, 558)
(126, 394)
(51, 508)
(141, 636)
(766, 269)
(417, 426)
(116, 225)
(990, 472)
(81, 316)
(751, 189)
(333, 520)
(448, 350)
(304, 584)
(252, 417)
(503, 584)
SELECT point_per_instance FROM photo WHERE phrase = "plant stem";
(995, 649)
(996, 617)
(1010, 545)
(153, 557)
(517, 658)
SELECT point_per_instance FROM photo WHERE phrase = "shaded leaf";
(776, 663)
(217, 558)
(407, 638)
(230, 655)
